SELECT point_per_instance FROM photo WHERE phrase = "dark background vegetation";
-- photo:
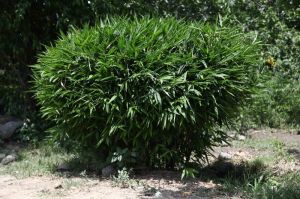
(27, 25)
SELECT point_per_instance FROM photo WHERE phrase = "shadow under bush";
(254, 179)
(152, 92)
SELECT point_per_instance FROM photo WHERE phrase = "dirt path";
(73, 188)
(87, 188)
(78, 188)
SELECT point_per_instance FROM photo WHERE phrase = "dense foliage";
(25, 25)
(156, 88)
(276, 103)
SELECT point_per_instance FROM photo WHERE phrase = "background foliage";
(276, 103)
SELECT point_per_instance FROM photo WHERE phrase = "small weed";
(68, 183)
(282, 152)
(123, 179)
(278, 148)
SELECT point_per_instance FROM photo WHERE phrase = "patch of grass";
(241, 175)
(273, 149)
(257, 180)
(36, 161)
(73, 182)
(264, 144)
(282, 152)
(286, 186)
(267, 159)
(265, 183)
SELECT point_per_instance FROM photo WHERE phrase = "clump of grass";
(124, 180)
(77, 182)
(36, 161)
(286, 186)
(257, 180)
(267, 176)
(242, 174)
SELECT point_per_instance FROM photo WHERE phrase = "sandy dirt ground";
(54, 187)
(86, 188)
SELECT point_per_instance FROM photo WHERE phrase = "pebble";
(2, 155)
(58, 186)
(63, 167)
(224, 156)
(241, 137)
(108, 171)
(8, 159)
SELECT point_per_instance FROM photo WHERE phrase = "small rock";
(2, 155)
(45, 190)
(63, 167)
(186, 193)
(58, 186)
(108, 171)
(9, 128)
(150, 192)
(211, 185)
(241, 137)
(224, 156)
(224, 144)
(8, 159)
(4, 119)
(140, 188)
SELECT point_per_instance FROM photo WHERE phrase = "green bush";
(156, 90)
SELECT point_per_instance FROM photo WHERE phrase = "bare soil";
(78, 188)
(55, 187)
